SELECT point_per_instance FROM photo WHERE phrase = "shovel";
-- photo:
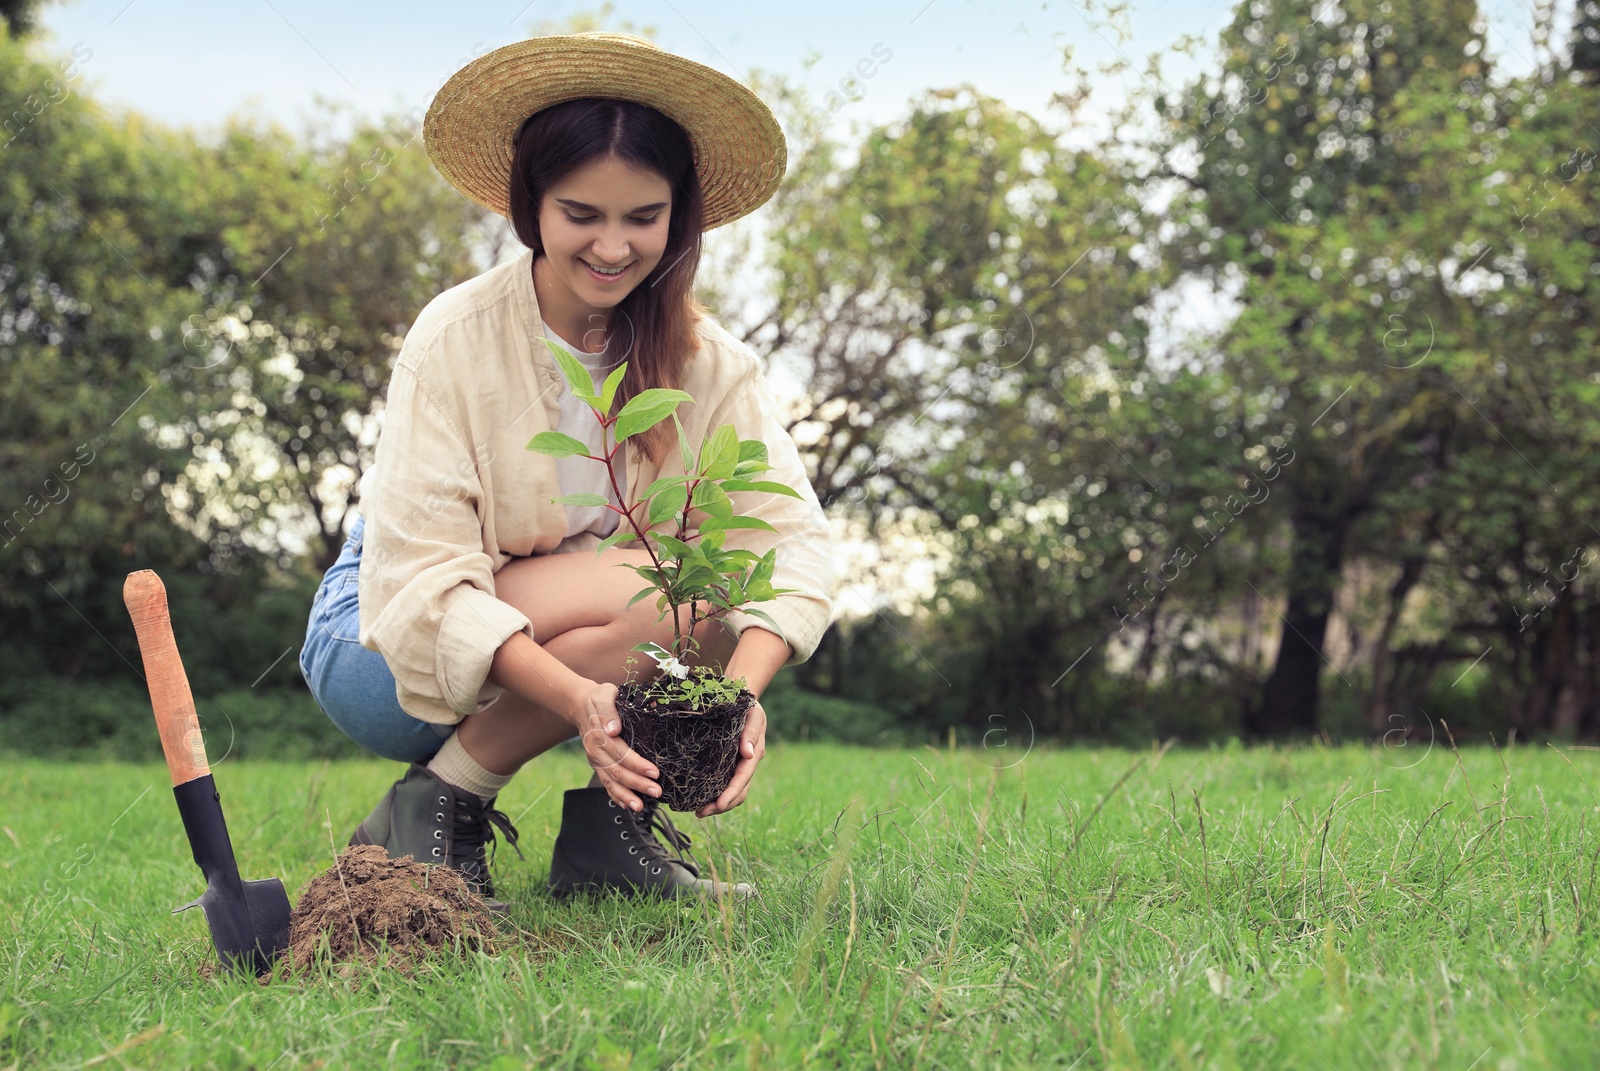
(249, 919)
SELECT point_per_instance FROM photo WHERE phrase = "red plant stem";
(677, 631)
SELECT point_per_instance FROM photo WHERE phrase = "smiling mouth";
(610, 273)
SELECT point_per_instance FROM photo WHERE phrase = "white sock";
(455, 766)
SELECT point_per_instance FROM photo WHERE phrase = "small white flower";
(668, 662)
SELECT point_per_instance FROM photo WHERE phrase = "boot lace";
(653, 820)
(472, 824)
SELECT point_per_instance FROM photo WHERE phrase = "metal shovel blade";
(249, 920)
(250, 941)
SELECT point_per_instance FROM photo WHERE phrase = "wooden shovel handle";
(176, 720)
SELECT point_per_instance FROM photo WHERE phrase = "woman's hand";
(752, 747)
(623, 772)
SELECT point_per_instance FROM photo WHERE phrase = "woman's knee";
(561, 592)
(564, 592)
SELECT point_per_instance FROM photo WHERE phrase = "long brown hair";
(660, 312)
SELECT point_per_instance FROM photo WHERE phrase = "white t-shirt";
(579, 474)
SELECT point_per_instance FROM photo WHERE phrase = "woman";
(469, 624)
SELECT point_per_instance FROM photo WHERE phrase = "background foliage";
(1363, 504)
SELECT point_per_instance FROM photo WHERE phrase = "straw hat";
(739, 150)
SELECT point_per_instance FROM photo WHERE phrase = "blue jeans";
(351, 684)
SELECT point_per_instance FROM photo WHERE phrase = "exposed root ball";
(366, 898)
(696, 751)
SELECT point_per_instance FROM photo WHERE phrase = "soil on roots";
(695, 750)
(366, 901)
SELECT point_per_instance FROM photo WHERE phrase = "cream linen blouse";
(453, 494)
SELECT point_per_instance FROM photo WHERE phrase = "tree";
(332, 248)
(1518, 499)
(924, 283)
(21, 17)
(99, 244)
(1303, 195)
(1584, 57)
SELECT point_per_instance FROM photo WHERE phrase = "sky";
(194, 62)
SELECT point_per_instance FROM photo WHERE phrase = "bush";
(276, 724)
(49, 716)
(57, 718)
(794, 715)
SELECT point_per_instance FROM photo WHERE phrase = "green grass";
(1303, 908)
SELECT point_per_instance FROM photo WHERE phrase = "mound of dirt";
(366, 899)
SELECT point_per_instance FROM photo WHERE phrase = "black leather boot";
(604, 846)
(433, 821)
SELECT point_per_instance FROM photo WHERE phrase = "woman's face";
(600, 218)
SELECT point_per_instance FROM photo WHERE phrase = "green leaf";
(696, 575)
(683, 446)
(621, 535)
(674, 546)
(664, 482)
(608, 393)
(695, 553)
(718, 524)
(769, 486)
(668, 503)
(583, 498)
(763, 616)
(577, 376)
(645, 593)
(720, 453)
(647, 409)
(648, 572)
(752, 450)
(713, 499)
(557, 444)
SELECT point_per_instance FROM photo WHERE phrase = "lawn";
(1267, 908)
